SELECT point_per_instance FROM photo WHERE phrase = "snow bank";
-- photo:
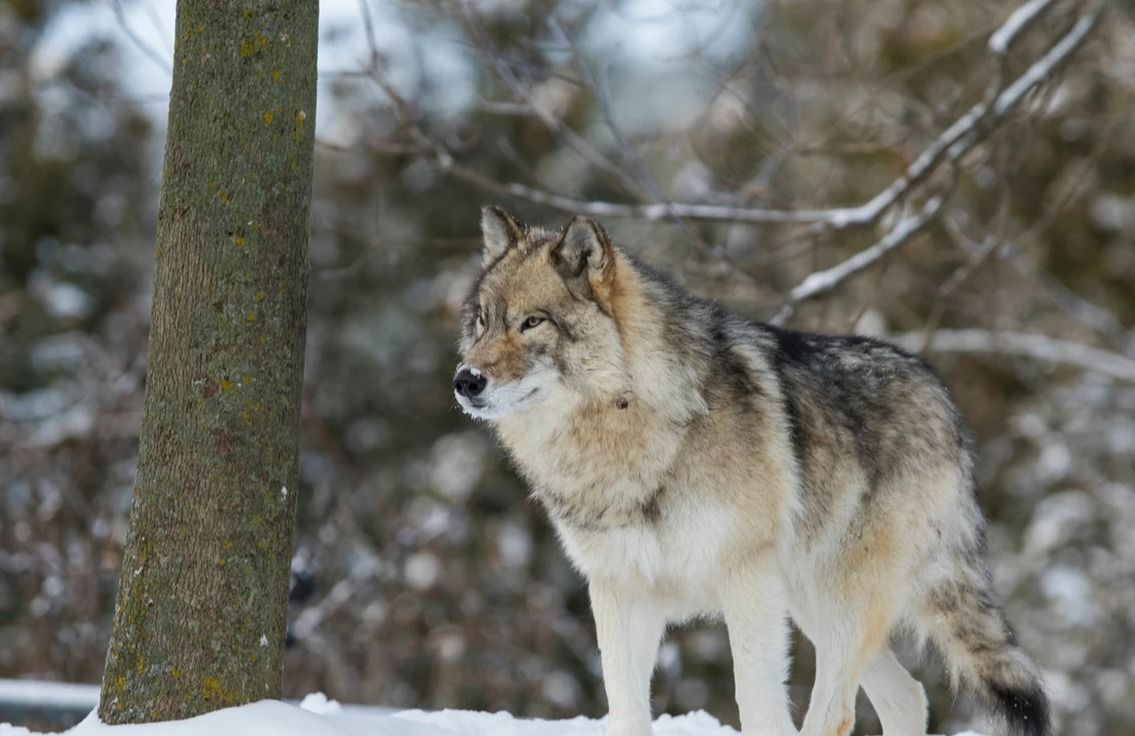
(318, 716)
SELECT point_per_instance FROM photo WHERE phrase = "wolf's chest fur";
(679, 554)
(626, 499)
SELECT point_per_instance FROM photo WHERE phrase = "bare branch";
(1076, 306)
(1025, 345)
(494, 107)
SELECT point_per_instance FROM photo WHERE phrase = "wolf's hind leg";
(846, 639)
(753, 601)
(898, 698)
(629, 625)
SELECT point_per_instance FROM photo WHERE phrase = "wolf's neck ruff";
(619, 439)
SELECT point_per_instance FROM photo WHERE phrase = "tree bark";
(200, 617)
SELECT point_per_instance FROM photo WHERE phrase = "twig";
(145, 48)
(979, 255)
(368, 29)
(553, 123)
(629, 154)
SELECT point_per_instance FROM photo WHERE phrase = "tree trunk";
(200, 618)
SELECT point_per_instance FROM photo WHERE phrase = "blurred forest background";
(424, 577)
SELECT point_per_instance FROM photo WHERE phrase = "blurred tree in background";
(423, 576)
(77, 200)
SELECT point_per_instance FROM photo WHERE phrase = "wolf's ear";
(584, 252)
(501, 232)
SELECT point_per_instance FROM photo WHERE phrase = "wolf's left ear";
(501, 231)
(584, 251)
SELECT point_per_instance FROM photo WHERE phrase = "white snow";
(316, 715)
(320, 703)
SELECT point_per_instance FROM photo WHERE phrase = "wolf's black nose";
(469, 384)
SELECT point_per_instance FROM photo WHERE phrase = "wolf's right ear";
(584, 247)
(501, 231)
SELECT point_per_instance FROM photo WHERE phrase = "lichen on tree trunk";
(200, 618)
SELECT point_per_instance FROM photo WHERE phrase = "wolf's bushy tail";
(966, 625)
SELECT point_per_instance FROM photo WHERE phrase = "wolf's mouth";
(495, 404)
(481, 403)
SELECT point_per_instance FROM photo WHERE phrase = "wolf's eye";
(480, 321)
(531, 322)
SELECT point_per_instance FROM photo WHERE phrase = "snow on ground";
(318, 716)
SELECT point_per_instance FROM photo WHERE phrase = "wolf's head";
(541, 322)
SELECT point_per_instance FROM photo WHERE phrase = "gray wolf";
(698, 464)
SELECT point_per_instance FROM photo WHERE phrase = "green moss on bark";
(200, 617)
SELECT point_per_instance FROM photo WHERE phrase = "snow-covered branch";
(1044, 67)
(821, 282)
(1021, 344)
(954, 143)
(1017, 23)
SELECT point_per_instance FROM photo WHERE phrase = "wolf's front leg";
(753, 600)
(629, 625)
